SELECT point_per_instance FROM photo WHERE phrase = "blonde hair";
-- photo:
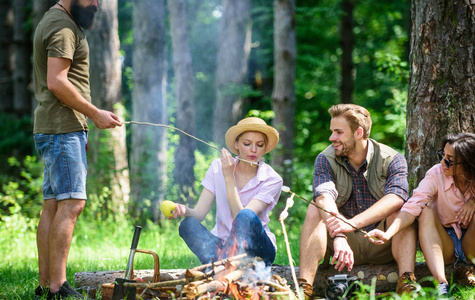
(355, 115)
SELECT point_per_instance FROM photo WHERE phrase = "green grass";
(105, 246)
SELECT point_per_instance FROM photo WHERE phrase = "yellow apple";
(166, 207)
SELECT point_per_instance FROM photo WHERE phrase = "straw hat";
(252, 124)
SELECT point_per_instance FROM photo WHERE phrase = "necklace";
(64, 8)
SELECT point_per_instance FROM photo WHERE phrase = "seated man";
(364, 183)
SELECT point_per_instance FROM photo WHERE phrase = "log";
(387, 276)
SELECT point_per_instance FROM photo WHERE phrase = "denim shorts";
(65, 164)
(459, 255)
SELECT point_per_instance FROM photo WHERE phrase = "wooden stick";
(186, 280)
(220, 262)
(254, 164)
(331, 213)
(283, 216)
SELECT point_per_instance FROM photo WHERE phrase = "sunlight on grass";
(105, 246)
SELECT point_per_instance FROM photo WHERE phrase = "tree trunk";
(108, 164)
(22, 49)
(6, 37)
(442, 85)
(148, 152)
(185, 112)
(283, 95)
(233, 54)
(347, 42)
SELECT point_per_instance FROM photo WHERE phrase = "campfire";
(237, 277)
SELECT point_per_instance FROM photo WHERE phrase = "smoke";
(259, 273)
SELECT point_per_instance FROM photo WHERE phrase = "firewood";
(193, 275)
(221, 262)
(198, 288)
(276, 286)
(234, 275)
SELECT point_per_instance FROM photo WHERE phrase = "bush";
(21, 193)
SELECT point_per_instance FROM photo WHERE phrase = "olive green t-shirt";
(57, 35)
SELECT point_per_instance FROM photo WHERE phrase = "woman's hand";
(381, 235)
(227, 163)
(466, 212)
(179, 211)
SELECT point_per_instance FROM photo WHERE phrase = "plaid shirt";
(361, 198)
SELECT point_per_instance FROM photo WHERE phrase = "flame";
(234, 249)
(241, 284)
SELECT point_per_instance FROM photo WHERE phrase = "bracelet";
(340, 236)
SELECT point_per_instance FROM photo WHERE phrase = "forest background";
(201, 65)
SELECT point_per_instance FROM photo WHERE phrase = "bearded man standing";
(365, 183)
(61, 84)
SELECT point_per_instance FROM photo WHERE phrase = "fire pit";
(237, 277)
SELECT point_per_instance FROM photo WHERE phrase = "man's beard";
(83, 15)
(346, 148)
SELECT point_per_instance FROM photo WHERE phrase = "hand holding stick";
(287, 189)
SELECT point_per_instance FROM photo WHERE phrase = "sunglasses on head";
(440, 156)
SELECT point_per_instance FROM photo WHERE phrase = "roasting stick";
(283, 215)
(254, 164)
(287, 190)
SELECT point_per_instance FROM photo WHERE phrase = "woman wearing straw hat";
(245, 190)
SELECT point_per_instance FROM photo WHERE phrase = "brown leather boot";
(406, 283)
(308, 291)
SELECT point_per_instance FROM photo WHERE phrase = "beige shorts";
(366, 252)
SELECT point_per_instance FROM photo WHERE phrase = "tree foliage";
(380, 56)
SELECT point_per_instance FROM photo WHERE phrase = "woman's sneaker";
(443, 291)
(66, 292)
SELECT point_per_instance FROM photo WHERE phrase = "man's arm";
(382, 209)
(396, 193)
(66, 92)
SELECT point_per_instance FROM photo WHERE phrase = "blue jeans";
(65, 164)
(247, 236)
(459, 255)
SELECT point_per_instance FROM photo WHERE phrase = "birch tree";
(148, 151)
(234, 43)
(442, 83)
(283, 95)
(185, 112)
(108, 167)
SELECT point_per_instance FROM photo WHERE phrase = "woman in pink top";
(444, 203)
(245, 190)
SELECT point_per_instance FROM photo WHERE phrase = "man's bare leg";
(60, 237)
(313, 244)
(42, 240)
